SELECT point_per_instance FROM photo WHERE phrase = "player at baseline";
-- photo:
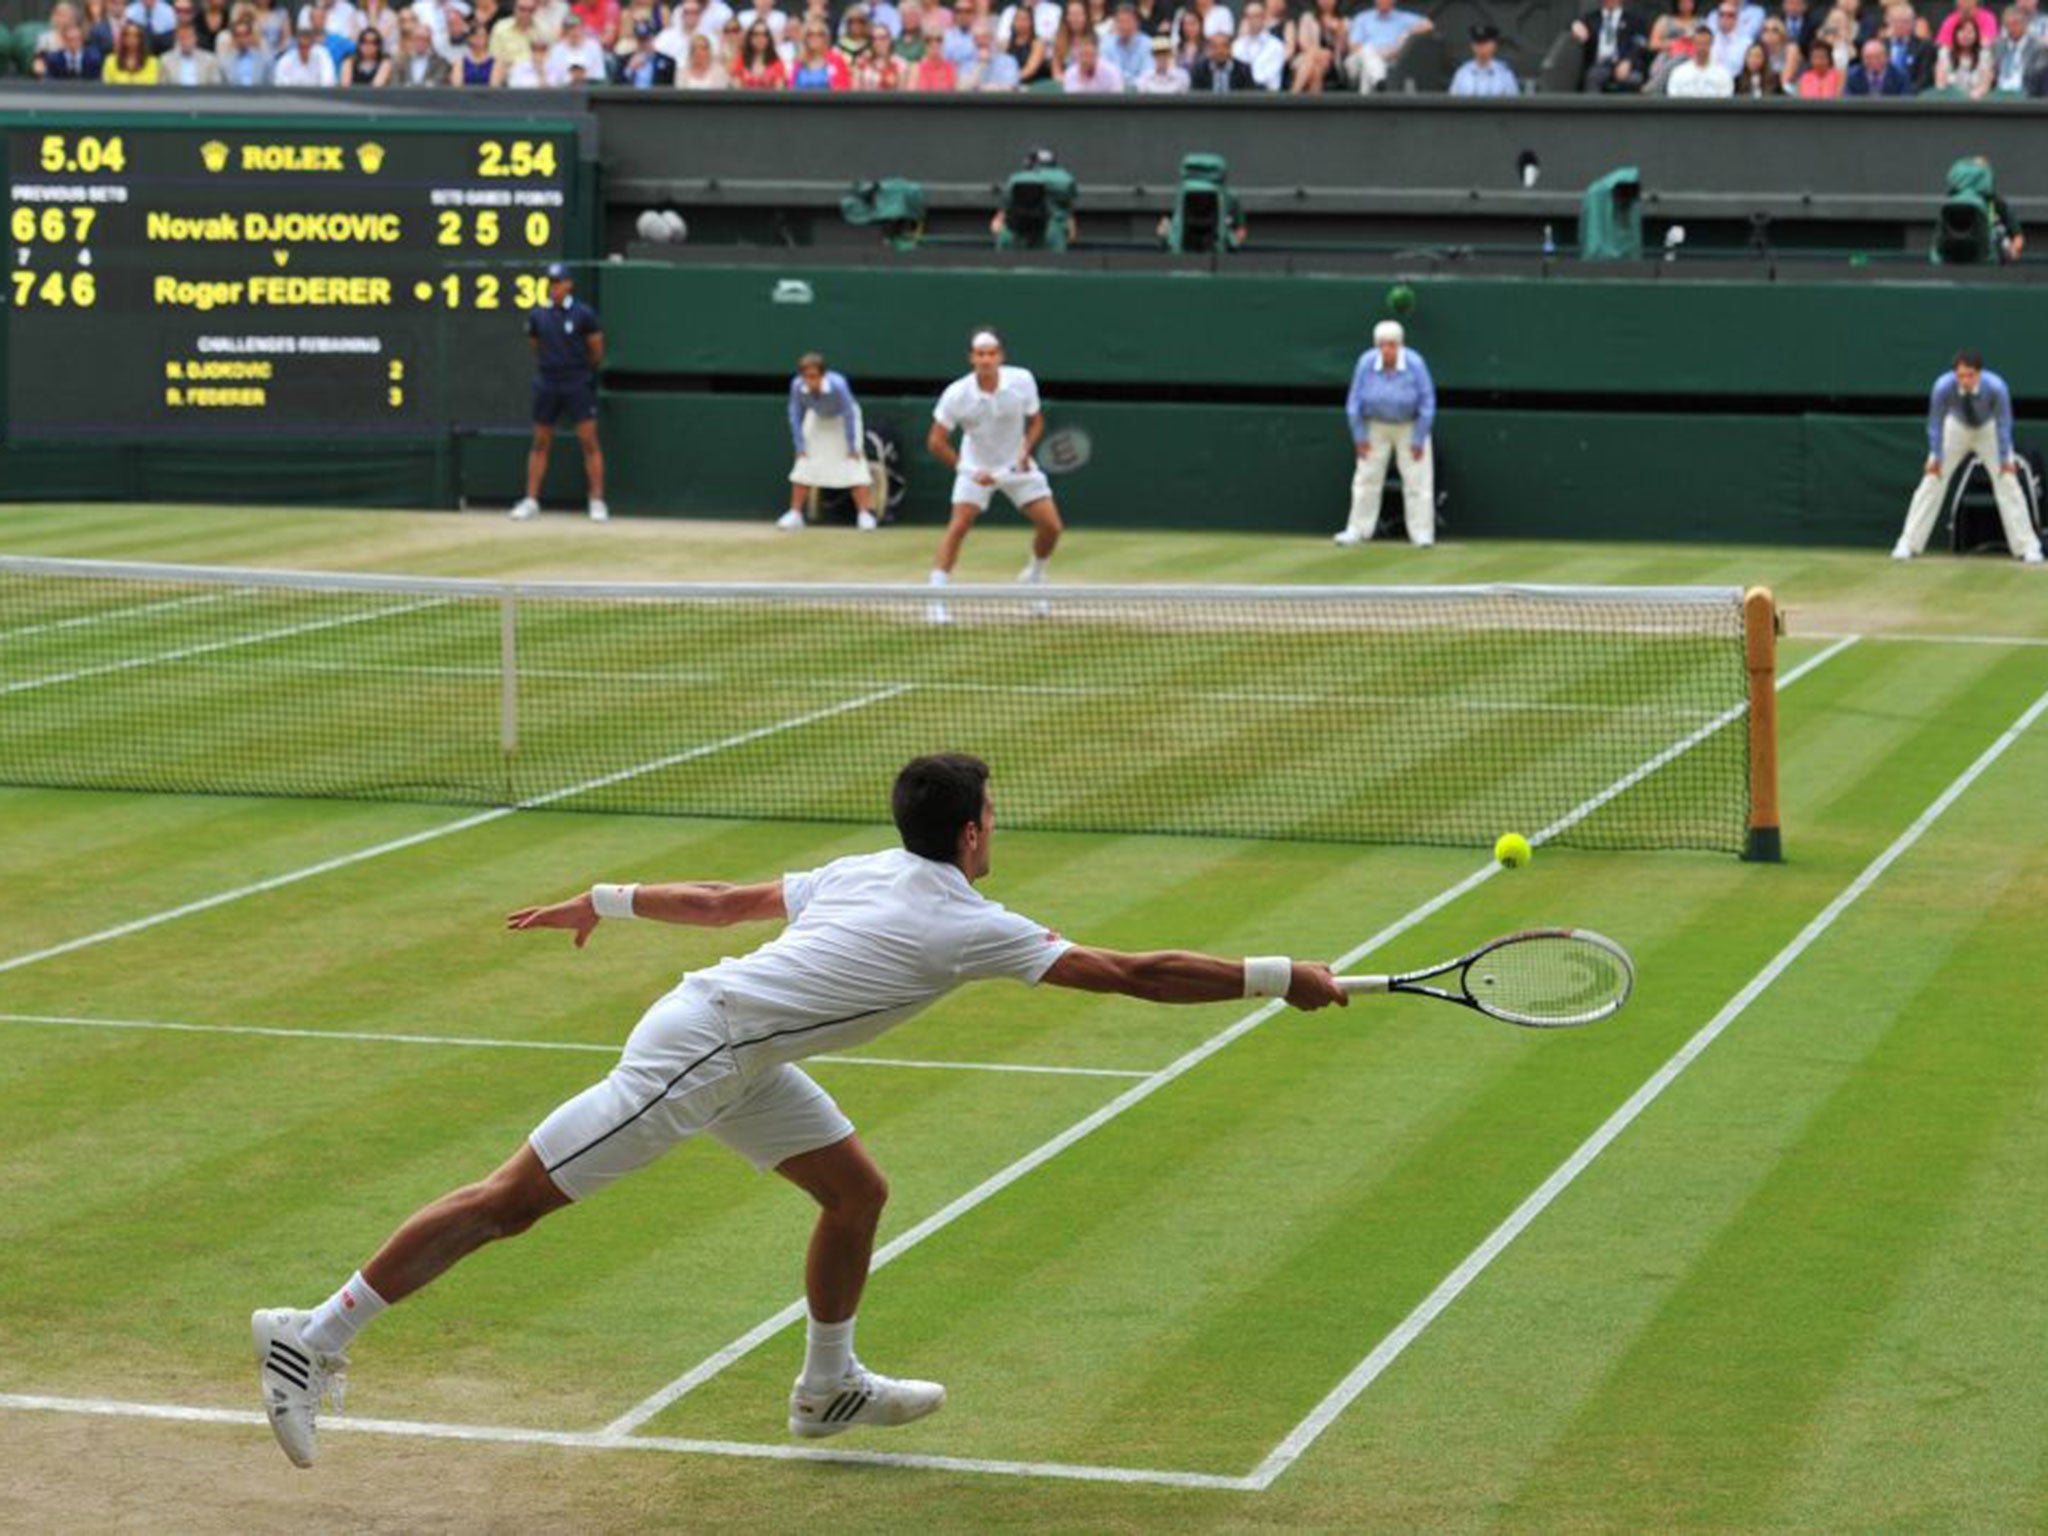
(869, 941)
(995, 409)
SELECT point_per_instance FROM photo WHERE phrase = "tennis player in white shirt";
(868, 942)
(996, 411)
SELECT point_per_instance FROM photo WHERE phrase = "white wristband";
(1268, 976)
(613, 900)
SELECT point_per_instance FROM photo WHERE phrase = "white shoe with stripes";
(861, 1397)
(294, 1379)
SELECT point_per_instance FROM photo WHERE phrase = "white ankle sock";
(828, 1353)
(337, 1319)
(1034, 569)
(937, 578)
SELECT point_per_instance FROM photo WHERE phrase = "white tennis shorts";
(678, 1078)
(1023, 487)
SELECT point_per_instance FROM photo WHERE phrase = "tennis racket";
(1063, 450)
(1546, 978)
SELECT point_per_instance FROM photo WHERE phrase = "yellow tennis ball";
(1513, 850)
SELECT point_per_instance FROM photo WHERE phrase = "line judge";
(1969, 414)
(1392, 411)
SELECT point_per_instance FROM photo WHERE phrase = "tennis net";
(1602, 716)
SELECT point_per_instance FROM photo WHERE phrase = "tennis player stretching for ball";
(870, 941)
(995, 409)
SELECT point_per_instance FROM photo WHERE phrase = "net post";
(1765, 843)
(508, 684)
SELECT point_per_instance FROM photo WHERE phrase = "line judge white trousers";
(1392, 440)
(1957, 442)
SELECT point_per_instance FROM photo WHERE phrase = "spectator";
(132, 63)
(957, 41)
(1780, 52)
(1259, 50)
(881, 13)
(1025, 48)
(1128, 48)
(1483, 74)
(1073, 23)
(632, 14)
(577, 48)
(1906, 48)
(701, 71)
(1700, 77)
(600, 20)
(1213, 16)
(1091, 74)
(513, 40)
(1675, 28)
(987, 70)
(1155, 18)
(244, 61)
(1322, 37)
(1219, 70)
(1616, 49)
(1969, 417)
(817, 67)
(1392, 408)
(1281, 23)
(1385, 31)
(856, 35)
(881, 70)
(1165, 77)
(2037, 20)
(538, 70)
(760, 67)
(831, 451)
(378, 14)
(1966, 10)
(210, 23)
(1963, 65)
(102, 19)
(1837, 37)
(477, 66)
(1758, 79)
(1188, 46)
(1045, 18)
(417, 64)
(685, 21)
(187, 63)
(73, 58)
(2017, 58)
(158, 20)
(933, 71)
(1801, 23)
(1823, 78)
(1876, 75)
(368, 65)
(1730, 42)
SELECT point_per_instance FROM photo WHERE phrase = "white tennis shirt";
(991, 422)
(872, 940)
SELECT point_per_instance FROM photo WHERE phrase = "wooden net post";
(1765, 843)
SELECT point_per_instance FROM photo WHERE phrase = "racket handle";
(1355, 984)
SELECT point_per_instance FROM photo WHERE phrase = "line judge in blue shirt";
(1969, 416)
(1392, 411)
(1483, 74)
(568, 349)
(831, 453)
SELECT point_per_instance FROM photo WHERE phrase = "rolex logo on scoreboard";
(370, 157)
(214, 155)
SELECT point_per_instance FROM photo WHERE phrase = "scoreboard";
(335, 277)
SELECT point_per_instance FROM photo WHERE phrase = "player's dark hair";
(934, 798)
(811, 360)
(1970, 357)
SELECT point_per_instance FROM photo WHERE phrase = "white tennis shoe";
(1349, 537)
(524, 508)
(791, 521)
(861, 1397)
(599, 512)
(1902, 550)
(865, 522)
(294, 1379)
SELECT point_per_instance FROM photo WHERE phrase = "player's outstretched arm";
(697, 903)
(1182, 976)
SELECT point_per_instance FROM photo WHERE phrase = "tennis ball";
(1401, 298)
(1513, 850)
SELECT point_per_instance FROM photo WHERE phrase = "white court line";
(381, 1037)
(114, 615)
(182, 653)
(445, 829)
(1389, 1349)
(1912, 639)
(97, 1407)
(641, 1412)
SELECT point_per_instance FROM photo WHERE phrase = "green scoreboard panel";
(311, 278)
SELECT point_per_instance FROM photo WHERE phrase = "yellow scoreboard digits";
(87, 154)
(515, 157)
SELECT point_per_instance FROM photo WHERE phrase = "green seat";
(26, 36)
(1047, 87)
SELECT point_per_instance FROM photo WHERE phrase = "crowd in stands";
(1813, 49)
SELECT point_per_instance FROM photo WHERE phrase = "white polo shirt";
(991, 422)
(872, 940)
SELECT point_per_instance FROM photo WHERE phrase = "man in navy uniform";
(568, 349)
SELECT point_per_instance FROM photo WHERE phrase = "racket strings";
(1552, 979)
